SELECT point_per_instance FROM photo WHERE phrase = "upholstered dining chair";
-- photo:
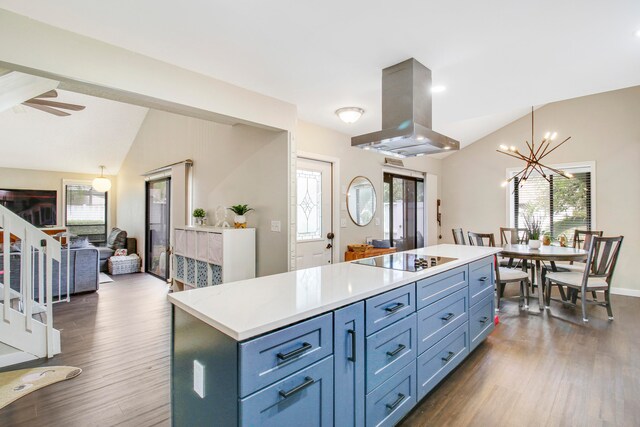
(504, 275)
(458, 236)
(597, 275)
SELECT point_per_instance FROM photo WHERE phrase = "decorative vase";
(240, 221)
(546, 240)
(534, 244)
(199, 221)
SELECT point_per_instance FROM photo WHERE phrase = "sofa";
(82, 271)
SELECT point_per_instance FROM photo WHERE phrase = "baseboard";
(626, 292)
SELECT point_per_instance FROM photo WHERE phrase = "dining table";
(551, 254)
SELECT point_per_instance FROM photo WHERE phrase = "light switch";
(343, 222)
(198, 378)
(377, 221)
(275, 226)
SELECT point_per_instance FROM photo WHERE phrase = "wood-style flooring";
(532, 371)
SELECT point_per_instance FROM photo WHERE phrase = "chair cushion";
(512, 274)
(576, 268)
(117, 239)
(574, 279)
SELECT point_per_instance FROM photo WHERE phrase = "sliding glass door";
(158, 227)
(403, 211)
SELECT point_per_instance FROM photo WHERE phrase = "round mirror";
(361, 200)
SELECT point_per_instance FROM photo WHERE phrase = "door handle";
(330, 235)
(448, 357)
(352, 333)
(392, 406)
(483, 320)
(394, 308)
(397, 350)
(307, 382)
(298, 351)
(447, 317)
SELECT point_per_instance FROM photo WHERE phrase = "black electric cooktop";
(405, 262)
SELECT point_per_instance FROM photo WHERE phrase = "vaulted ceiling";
(496, 57)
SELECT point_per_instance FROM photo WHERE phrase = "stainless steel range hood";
(406, 115)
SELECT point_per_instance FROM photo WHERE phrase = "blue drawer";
(304, 398)
(387, 404)
(435, 363)
(481, 280)
(267, 359)
(383, 310)
(440, 318)
(389, 350)
(436, 287)
(481, 321)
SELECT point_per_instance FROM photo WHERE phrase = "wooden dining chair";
(504, 275)
(597, 275)
(514, 236)
(458, 236)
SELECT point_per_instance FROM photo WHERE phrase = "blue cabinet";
(389, 307)
(387, 404)
(481, 320)
(304, 398)
(439, 319)
(349, 364)
(481, 280)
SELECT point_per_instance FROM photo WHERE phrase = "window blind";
(86, 212)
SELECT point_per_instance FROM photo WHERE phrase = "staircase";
(26, 299)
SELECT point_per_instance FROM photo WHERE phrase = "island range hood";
(406, 115)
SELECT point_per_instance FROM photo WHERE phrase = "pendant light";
(101, 183)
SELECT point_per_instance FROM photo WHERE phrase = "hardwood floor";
(532, 371)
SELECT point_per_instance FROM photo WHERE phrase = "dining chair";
(458, 236)
(597, 275)
(514, 236)
(504, 275)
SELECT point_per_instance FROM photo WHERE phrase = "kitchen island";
(342, 344)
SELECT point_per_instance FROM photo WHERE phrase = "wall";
(604, 128)
(29, 179)
(311, 138)
(232, 164)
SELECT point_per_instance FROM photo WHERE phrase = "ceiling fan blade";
(50, 94)
(63, 105)
(46, 109)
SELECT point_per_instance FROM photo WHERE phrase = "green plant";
(533, 227)
(240, 209)
(199, 213)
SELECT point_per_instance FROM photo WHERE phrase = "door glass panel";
(404, 211)
(387, 209)
(309, 192)
(420, 213)
(157, 250)
(398, 212)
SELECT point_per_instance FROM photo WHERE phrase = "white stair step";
(12, 356)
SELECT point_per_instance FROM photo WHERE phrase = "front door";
(158, 227)
(314, 213)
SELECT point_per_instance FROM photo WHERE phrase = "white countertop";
(248, 308)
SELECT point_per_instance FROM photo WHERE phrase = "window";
(309, 184)
(562, 205)
(86, 212)
(403, 211)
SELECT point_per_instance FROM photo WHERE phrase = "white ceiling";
(496, 57)
(101, 134)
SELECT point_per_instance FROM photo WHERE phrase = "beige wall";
(231, 165)
(29, 179)
(311, 138)
(605, 128)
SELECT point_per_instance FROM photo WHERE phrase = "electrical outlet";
(198, 378)
(276, 226)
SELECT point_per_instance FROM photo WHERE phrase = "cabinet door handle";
(394, 405)
(484, 320)
(307, 382)
(483, 279)
(449, 356)
(352, 333)
(394, 308)
(397, 350)
(297, 352)
(448, 317)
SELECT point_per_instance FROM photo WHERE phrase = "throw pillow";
(79, 243)
(120, 252)
(117, 239)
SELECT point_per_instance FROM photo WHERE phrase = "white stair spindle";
(6, 251)
(27, 254)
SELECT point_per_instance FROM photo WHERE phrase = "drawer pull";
(352, 333)
(449, 356)
(484, 320)
(394, 308)
(397, 350)
(297, 352)
(307, 382)
(448, 317)
(394, 405)
(483, 279)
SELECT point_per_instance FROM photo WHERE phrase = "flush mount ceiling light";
(637, 33)
(438, 88)
(533, 157)
(101, 183)
(350, 114)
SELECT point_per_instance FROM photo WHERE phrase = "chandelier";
(533, 157)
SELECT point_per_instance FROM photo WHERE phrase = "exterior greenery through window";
(86, 212)
(562, 205)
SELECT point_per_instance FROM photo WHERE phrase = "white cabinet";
(206, 256)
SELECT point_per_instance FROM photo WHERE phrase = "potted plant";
(533, 229)
(199, 214)
(240, 221)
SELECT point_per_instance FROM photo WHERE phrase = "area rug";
(105, 279)
(16, 384)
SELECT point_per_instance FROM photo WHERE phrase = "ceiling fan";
(43, 103)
